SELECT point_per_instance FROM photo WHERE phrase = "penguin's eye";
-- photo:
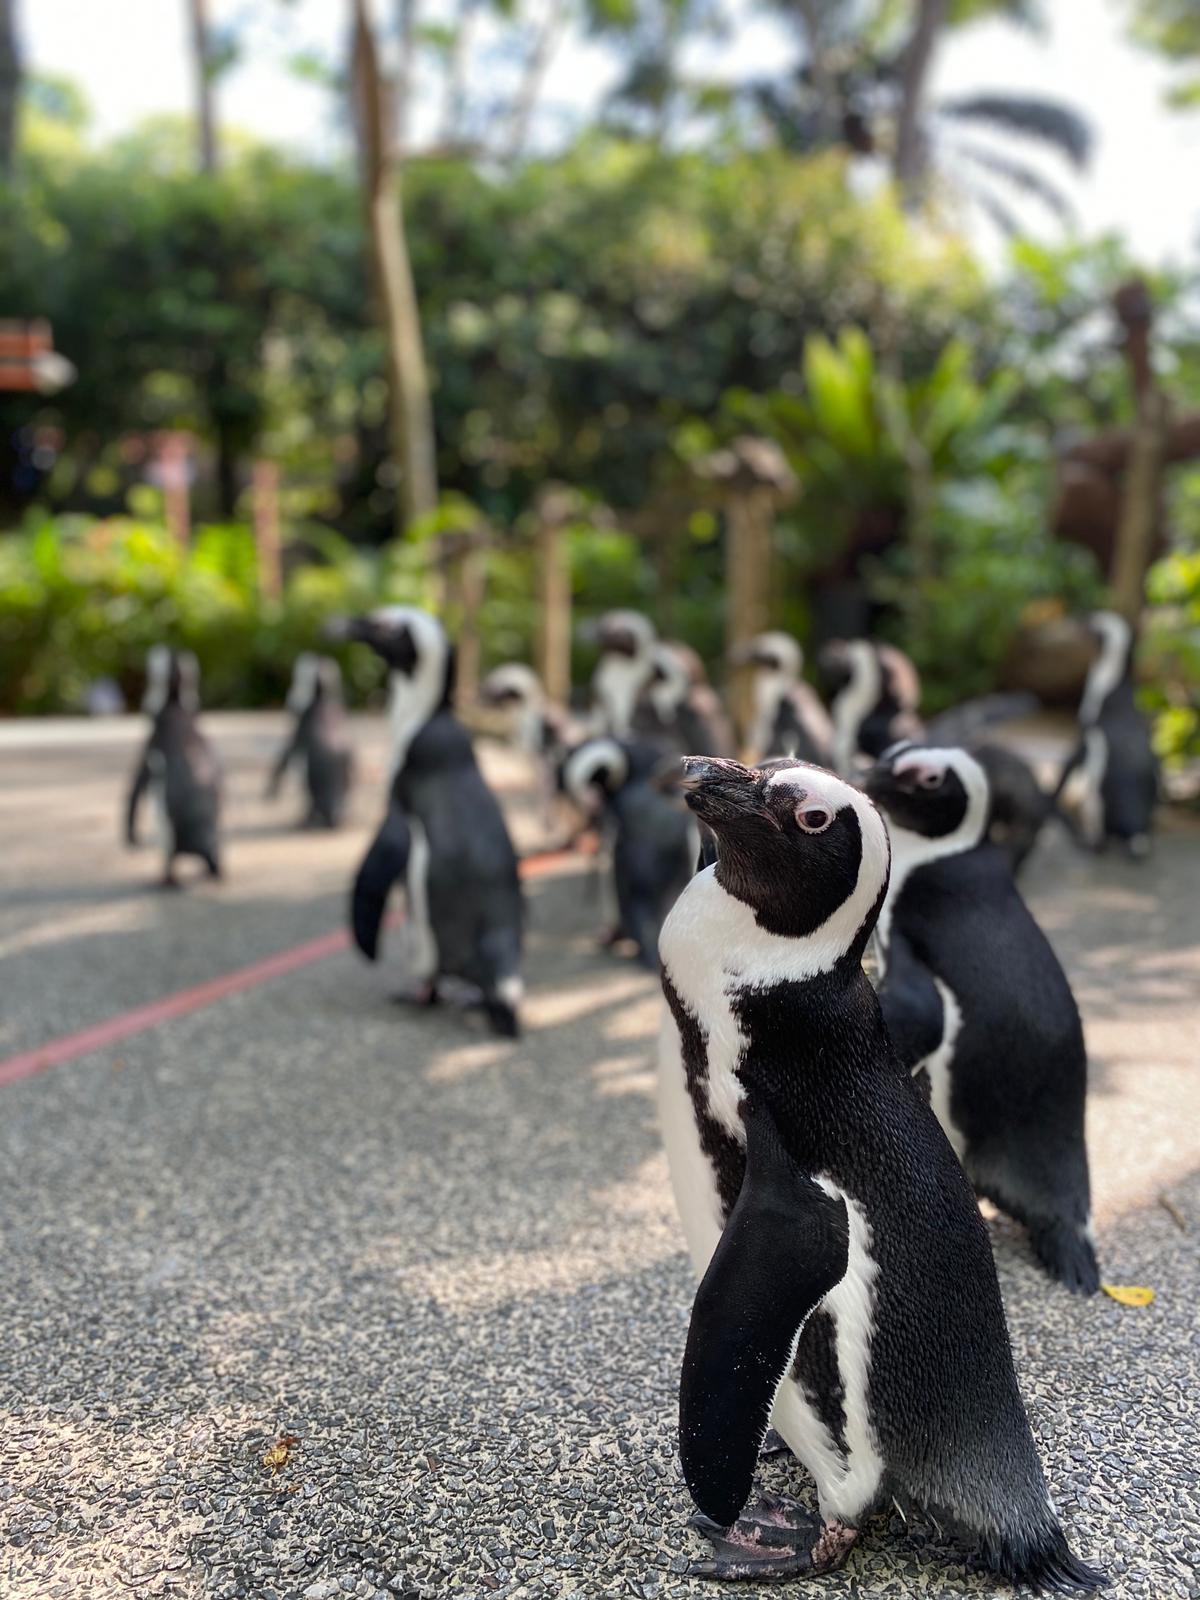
(814, 819)
(931, 780)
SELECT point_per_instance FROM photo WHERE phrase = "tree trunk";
(1139, 510)
(908, 166)
(824, 87)
(554, 610)
(10, 89)
(411, 411)
(454, 100)
(202, 66)
(749, 516)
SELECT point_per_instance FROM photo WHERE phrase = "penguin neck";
(772, 687)
(853, 705)
(414, 700)
(619, 680)
(910, 851)
(1109, 669)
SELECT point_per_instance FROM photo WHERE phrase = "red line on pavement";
(126, 1023)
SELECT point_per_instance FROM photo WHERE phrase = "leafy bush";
(1171, 656)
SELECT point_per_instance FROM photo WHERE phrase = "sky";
(1136, 183)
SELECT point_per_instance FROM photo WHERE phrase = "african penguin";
(876, 694)
(654, 841)
(980, 1008)
(1110, 782)
(626, 640)
(444, 832)
(177, 766)
(678, 708)
(848, 1292)
(319, 737)
(533, 724)
(789, 717)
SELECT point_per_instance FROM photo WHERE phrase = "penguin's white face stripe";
(304, 678)
(412, 700)
(668, 695)
(515, 678)
(158, 672)
(913, 850)
(901, 675)
(825, 789)
(852, 703)
(1106, 672)
(583, 765)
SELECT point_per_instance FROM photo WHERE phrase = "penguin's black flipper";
(141, 782)
(784, 1248)
(383, 863)
(911, 1004)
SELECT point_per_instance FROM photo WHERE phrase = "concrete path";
(446, 1267)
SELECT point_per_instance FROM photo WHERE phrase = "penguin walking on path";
(177, 766)
(980, 1008)
(654, 841)
(319, 737)
(789, 717)
(848, 1291)
(1110, 782)
(444, 832)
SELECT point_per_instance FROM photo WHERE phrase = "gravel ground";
(447, 1267)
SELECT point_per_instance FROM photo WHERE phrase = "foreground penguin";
(848, 1292)
(789, 718)
(178, 765)
(1110, 781)
(444, 832)
(654, 842)
(319, 737)
(978, 1004)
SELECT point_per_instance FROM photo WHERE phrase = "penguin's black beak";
(722, 792)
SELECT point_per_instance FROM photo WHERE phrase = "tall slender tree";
(411, 409)
(204, 69)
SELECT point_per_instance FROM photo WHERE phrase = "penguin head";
(625, 633)
(314, 678)
(414, 644)
(805, 850)
(670, 680)
(772, 655)
(512, 687)
(172, 678)
(900, 676)
(934, 792)
(1113, 635)
(593, 771)
(850, 664)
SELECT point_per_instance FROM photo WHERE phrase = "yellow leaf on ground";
(1129, 1294)
(280, 1452)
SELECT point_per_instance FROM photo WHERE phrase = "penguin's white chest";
(422, 951)
(938, 1066)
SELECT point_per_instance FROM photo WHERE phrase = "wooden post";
(173, 475)
(555, 507)
(463, 565)
(1140, 490)
(266, 528)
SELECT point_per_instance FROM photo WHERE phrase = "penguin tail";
(505, 1022)
(1067, 1254)
(382, 865)
(1048, 1567)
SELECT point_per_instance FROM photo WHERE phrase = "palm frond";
(1021, 176)
(1032, 115)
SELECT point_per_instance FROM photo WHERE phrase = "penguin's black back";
(321, 734)
(191, 780)
(473, 887)
(1129, 787)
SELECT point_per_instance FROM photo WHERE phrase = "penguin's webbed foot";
(421, 994)
(774, 1539)
(1067, 1254)
(169, 880)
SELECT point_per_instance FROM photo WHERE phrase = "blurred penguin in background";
(789, 717)
(679, 709)
(319, 737)
(1109, 786)
(876, 695)
(626, 640)
(177, 766)
(532, 724)
(655, 843)
(444, 832)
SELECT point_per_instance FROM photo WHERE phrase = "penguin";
(980, 1008)
(444, 832)
(534, 725)
(1112, 775)
(789, 717)
(678, 708)
(178, 766)
(627, 640)
(654, 842)
(848, 1292)
(877, 693)
(319, 736)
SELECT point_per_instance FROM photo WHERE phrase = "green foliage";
(1170, 654)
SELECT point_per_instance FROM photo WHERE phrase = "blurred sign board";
(29, 362)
